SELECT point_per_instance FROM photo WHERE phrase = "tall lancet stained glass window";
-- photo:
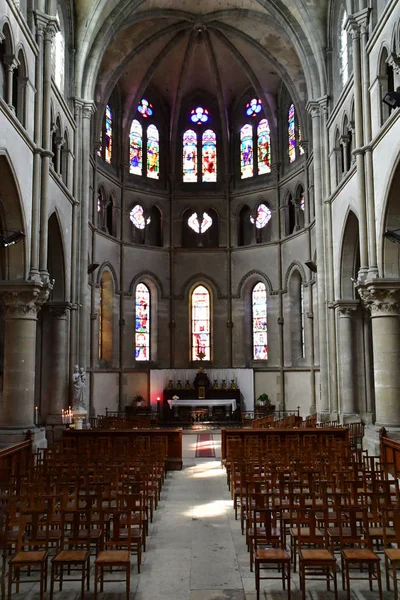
(246, 151)
(259, 315)
(209, 156)
(190, 156)
(109, 134)
(291, 134)
(136, 148)
(142, 327)
(153, 152)
(201, 324)
(264, 147)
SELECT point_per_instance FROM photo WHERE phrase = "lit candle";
(36, 415)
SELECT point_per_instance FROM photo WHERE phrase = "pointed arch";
(12, 219)
(142, 322)
(200, 323)
(349, 256)
(107, 266)
(106, 294)
(136, 148)
(56, 257)
(259, 304)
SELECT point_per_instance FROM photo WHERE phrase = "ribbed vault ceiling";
(178, 48)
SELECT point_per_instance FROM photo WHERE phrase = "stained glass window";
(136, 147)
(199, 115)
(200, 324)
(209, 156)
(301, 149)
(58, 51)
(197, 226)
(137, 217)
(142, 326)
(145, 108)
(189, 156)
(302, 202)
(264, 147)
(291, 134)
(100, 148)
(153, 152)
(246, 151)
(253, 107)
(109, 123)
(259, 315)
(263, 216)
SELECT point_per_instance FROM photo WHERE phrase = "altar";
(225, 385)
(229, 404)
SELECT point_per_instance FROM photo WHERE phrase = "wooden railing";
(390, 455)
(15, 460)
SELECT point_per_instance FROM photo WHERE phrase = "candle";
(36, 415)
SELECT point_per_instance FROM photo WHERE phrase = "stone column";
(382, 297)
(314, 109)
(348, 398)
(353, 27)
(49, 34)
(59, 388)
(21, 303)
(12, 63)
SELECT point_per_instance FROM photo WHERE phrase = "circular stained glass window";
(199, 115)
(137, 217)
(253, 107)
(145, 108)
(263, 216)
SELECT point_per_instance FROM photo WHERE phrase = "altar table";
(209, 403)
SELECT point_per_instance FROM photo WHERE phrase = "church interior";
(199, 220)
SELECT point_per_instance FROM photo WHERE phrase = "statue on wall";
(78, 388)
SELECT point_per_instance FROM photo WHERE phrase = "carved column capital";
(23, 301)
(11, 61)
(381, 297)
(346, 308)
(58, 310)
(2, 37)
(314, 108)
(394, 61)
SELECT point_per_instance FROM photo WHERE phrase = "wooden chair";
(27, 559)
(317, 562)
(269, 547)
(109, 557)
(73, 522)
(354, 520)
(392, 555)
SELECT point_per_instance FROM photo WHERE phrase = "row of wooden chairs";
(334, 495)
(73, 499)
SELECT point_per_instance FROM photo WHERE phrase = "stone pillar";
(382, 297)
(353, 27)
(59, 387)
(348, 397)
(12, 63)
(314, 109)
(49, 34)
(21, 304)
(84, 313)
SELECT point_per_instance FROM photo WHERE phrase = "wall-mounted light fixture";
(392, 236)
(92, 267)
(9, 238)
(392, 99)
(311, 265)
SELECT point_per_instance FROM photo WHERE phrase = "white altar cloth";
(204, 402)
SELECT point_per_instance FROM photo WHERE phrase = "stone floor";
(195, 548)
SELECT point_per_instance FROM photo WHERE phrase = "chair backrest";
(121, 528)
(353, 527)
(267, 527)
(308, 531)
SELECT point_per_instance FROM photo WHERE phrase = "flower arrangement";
(175, 397)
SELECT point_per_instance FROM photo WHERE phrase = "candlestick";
(36, 415)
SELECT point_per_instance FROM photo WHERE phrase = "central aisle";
(193, 544)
